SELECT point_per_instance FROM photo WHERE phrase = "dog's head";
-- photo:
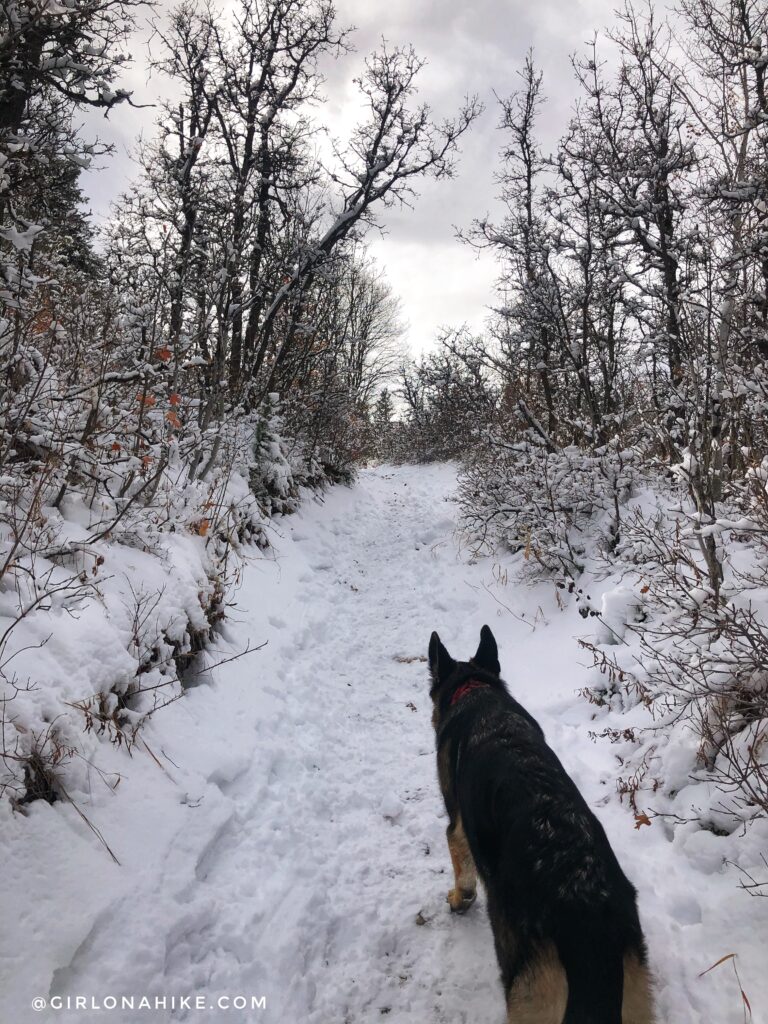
(447, 674)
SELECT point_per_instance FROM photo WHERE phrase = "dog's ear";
(441, 664)
(487, 656)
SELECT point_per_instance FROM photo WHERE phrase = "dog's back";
(564, 918)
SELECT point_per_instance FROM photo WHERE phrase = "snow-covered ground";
(280, 832)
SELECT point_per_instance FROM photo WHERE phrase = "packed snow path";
(285, 838)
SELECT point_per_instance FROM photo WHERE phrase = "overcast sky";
(471, 47)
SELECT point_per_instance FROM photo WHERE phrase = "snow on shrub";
(120, 516)
(272, 475)
(552, 505)
(679, 608)
(683, 659)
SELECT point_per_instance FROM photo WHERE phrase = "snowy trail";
(286, 838)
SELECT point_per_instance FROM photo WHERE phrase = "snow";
(620, 606)
(280, 831)
(21, 240)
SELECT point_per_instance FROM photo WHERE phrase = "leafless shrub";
(701, 653)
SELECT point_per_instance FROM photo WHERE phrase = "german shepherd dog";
(563, 913)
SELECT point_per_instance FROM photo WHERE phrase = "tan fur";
(464, 871)
(637, 1007)
(539, 995)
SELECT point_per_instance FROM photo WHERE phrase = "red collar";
(464, 689)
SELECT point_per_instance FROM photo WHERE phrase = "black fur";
(549, 871)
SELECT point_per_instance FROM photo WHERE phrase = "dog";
(564, 915)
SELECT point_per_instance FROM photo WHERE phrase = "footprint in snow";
(391, 807)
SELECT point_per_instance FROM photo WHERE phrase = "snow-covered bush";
(555, 506)
(692, 659)
(271, 476)
(114, 563)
